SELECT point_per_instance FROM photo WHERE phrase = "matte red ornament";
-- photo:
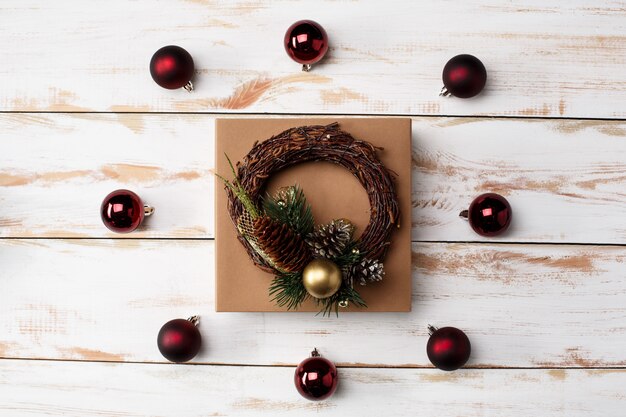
(179, 340)
(122, 211)
(316, 377)
(464, 76)
(489, 214)
(448, 348)
(306, 42)
(172, 67)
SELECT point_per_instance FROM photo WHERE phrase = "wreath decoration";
(279, 233)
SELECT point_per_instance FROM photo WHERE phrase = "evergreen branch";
(345, 293)
(287, 290)
(293, 211)
(348, 257)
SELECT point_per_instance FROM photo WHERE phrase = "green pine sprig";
(295, 213)
(287, 290)
(345, 293)
(350, 255)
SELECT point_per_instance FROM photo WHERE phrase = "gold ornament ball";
(321, 278)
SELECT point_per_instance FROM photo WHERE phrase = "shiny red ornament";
(306, 42)
(172, 67)
(448, 348)
(316, 378)
(464, 76)
(122, 211)
(489, 214)
(179, 340)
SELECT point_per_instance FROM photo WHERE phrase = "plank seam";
(338, 364)
(411, 115)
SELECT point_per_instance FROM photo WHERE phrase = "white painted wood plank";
(521, 305)
(563, 178)
(545, 58)
(85, 389)
(56, 170)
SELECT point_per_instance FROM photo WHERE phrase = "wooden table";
(544, 305)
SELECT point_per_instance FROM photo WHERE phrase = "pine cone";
(366, 271)
(285, 249)
(330, 240)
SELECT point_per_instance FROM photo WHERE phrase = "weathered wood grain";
(56, 170)
(73, 389)
(521, 305)
(564, 178)
(545, 58)
(537, 306)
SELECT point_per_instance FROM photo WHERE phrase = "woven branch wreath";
(279, 233)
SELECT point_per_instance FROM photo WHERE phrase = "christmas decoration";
(322, 278)
(283, 247)
(172, 67)
(122, 211)
(276, 242)
(366, 271)
(279, 233)
(316, 377)
(464, 76)
(489, 214)
(331, 240)
(448, 348)
(306, 42)
(179, 340)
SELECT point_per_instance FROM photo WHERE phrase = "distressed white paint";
(57, 169)
(537, 306)
(80, 389)
(564, 178)
(521, 305)
(545, 58)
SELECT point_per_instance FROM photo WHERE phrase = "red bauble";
(489, 214)
(448, 348)
(316, 378)
(464, 76)
(306, 42)
(179, 340)
(172, 67)
(122, 211)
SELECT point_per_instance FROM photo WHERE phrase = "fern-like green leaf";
(237, 189)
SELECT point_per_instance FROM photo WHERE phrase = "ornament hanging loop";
(188, 86)
(306, 67)
(431, 329)
(148, 210)
(444, 92)
(464, 214)
(195, 320)
(315, 353)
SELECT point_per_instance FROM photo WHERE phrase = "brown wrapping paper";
(332, 192)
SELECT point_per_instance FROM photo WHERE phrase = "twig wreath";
(279, 233)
